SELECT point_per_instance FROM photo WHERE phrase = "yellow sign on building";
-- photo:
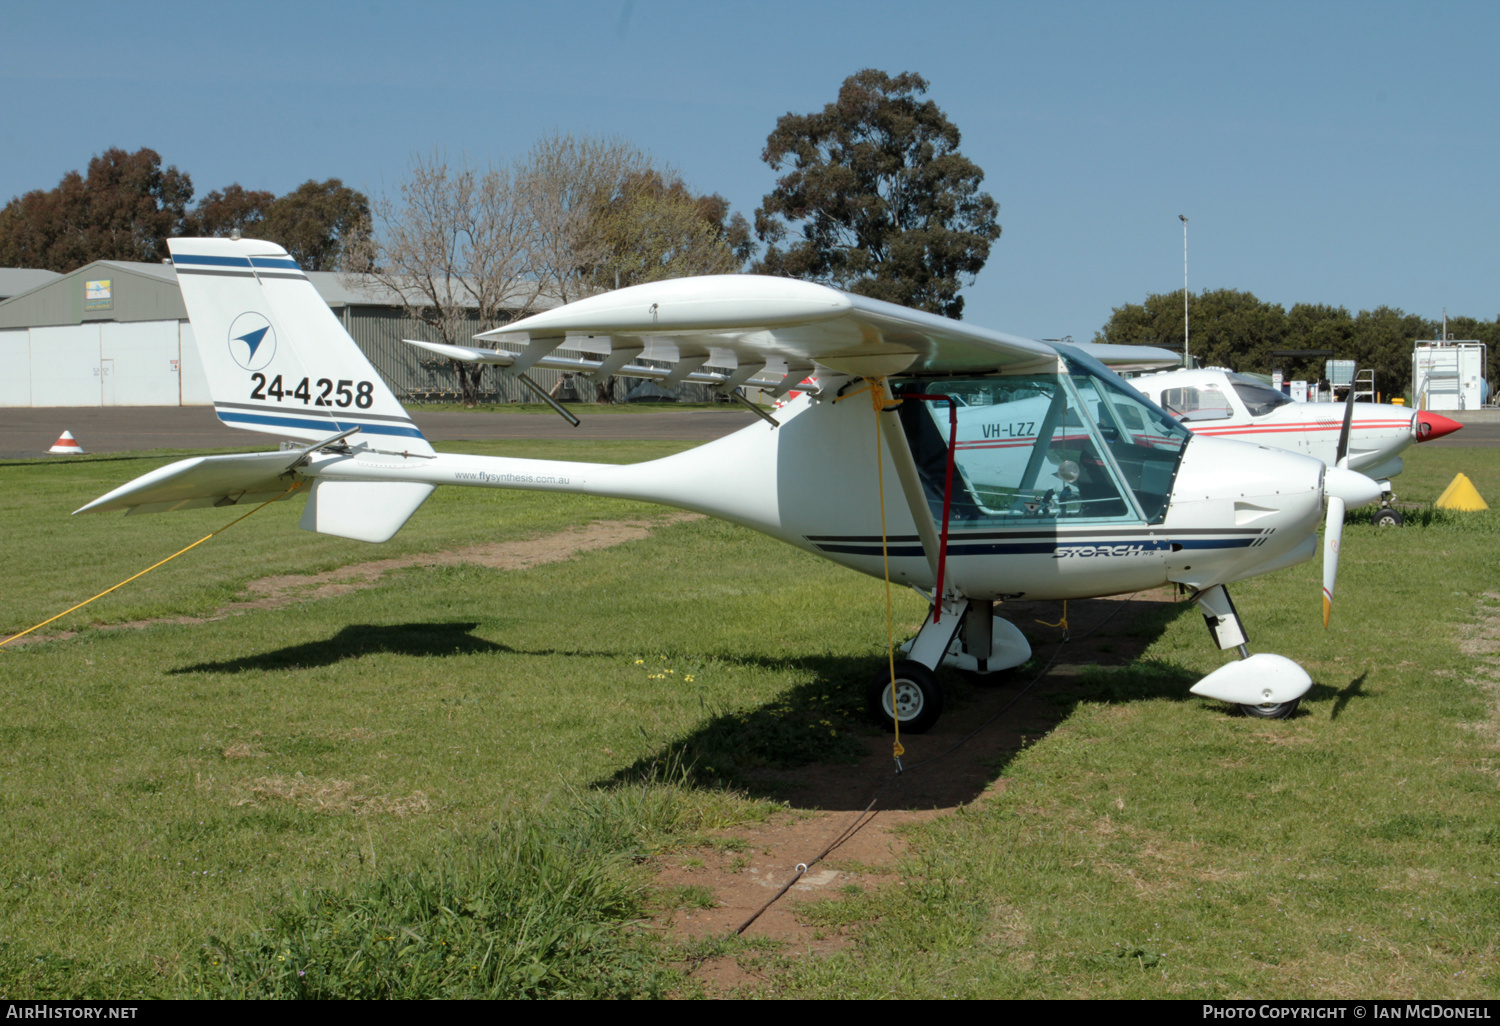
(98, 295)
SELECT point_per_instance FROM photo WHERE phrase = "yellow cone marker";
(1461, 495)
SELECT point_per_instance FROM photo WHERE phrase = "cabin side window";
(1192, 403)
(1259, 399)
(1145, 441)
(1028, 451)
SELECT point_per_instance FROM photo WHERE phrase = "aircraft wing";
(733, 330)
(1130, 358)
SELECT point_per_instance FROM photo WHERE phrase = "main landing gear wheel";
(1386, 517)
(919, 699)
(1272, 711)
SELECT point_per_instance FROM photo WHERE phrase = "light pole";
(1183, 219)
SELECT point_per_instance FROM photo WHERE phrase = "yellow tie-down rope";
(153, 566)
(1063, 623)
(876, 388)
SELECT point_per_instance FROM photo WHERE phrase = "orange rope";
(153, 566)
(1063, 623)
(877, 396)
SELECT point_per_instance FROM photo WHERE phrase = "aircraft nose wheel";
(1272, 711)
(1386, 517)
(919, 699)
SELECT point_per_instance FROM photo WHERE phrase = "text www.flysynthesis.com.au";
(487, 478)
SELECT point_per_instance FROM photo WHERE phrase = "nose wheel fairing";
(968, 636)
(1264, 683)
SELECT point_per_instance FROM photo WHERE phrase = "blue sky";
(1342, 153)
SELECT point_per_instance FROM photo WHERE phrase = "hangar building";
(116, 333)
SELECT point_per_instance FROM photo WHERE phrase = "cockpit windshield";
(1082, 446)
(1259, 399)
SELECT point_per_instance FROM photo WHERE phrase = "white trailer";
(1449, 375)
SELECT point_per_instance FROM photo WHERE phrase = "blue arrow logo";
(252, 341)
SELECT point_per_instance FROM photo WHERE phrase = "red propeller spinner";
(1429, 425)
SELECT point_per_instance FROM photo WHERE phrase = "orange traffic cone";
(67, 445)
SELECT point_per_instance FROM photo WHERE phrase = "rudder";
(277, 359)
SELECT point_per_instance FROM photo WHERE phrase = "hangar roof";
(122, 290)
(16, 280)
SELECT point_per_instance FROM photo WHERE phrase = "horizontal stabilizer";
(202, 481)
(370, 511)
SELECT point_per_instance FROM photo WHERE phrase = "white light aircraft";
(986, 466)
(1220, 403)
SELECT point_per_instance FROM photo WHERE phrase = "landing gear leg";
(985, 644)
(979, 620)
(1265, 686)
(1387, 515)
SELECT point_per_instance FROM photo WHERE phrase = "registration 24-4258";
(362, 396)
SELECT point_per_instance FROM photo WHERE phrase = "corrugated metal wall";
(416, 375)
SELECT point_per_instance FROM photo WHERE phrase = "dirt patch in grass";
(286, 589)
(331, 796)
(827, 800)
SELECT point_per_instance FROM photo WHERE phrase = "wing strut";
(541, 393)
(934, 545)
(942, 561)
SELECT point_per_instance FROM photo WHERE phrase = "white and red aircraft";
(972, 465)
(1220, 403)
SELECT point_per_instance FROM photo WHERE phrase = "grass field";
(444, 785)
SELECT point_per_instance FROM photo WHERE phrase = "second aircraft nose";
(1427, 425)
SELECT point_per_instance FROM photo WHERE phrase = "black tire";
(1387, 517)
(1278, 711)
(918, 697)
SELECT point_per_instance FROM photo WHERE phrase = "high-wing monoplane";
(971, 465)
(1218, 402)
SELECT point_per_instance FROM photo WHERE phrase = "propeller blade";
(1333, 537)
(1341, 459)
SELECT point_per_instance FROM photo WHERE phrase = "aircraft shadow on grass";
(787, 749)
(775, 751)
(356, 640)
(814, 745)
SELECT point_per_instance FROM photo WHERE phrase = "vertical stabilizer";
(277, 360)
